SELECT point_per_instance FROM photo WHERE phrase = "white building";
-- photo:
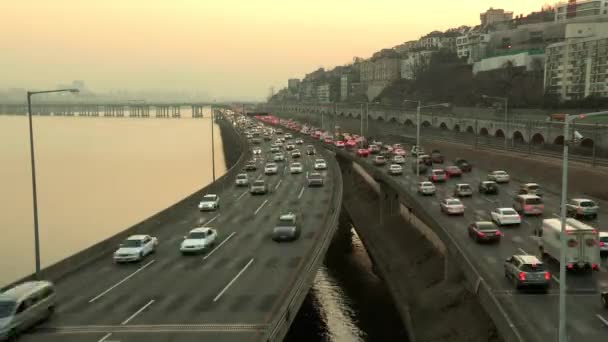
(493, 16)
(580, 9)
(414, 61)
(527, 59)
(472, 46)
(578, 67)
(344, 86)
(323, 92)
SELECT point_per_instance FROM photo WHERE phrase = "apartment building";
(572, 10)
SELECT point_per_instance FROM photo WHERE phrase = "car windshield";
(533, 201)
(500, 173)
(604, 238)
(533, 187)
(453, 202)
(241, 177)
(465, 187)
(532, 268)
(509, 212)
(197, 235)
(428, 184)
(438, 172)
(284, 230)
(587, 204)
(258, 183)
(486, 227)
(6, 308)
(132, 243)
(209, 198)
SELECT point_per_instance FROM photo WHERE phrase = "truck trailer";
(582, 245)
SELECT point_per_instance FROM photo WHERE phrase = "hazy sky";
(227, 48)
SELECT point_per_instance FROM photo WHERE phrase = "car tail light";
(522, 276)
(481, 234)
(547, 276)
(595, 267)
(569, 266)
(498, 233)
(527, 207)
(602, 244)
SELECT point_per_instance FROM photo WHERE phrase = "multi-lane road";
(230, 293)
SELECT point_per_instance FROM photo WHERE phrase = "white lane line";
(555, 278)
(604, 320)
(260, 176)
(233, 280)
(260, 207)
(218, 246)
(301, 192)
(488, 200)
(521, 250)
(241, 195)
(137, 312)
(555, 215)
(278, 184)
(211, 219)
(122, 281)
(105, 337)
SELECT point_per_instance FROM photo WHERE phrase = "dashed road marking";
(301, 192)
(601, 318)
(555, 278)
(241, 195)
(218, 246)
(278, 184)
(260, 207)
(103, 339)
(137, 312)
(219, 295)
(521, 250)
(122, 281)
(211, 219)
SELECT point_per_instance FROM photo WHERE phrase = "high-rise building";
(293, 84)
(493, 16)
(573, 9)
(323, 93)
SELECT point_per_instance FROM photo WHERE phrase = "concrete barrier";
(233, 143)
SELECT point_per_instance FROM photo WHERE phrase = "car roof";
(463, 184)
(287, 216)
(438, 170)
(314, 174)
(603, 234)
(210, 195)
(496, 171)
(581, 199)
(505, 208)
(426, 183)
(20, 291)
(529, 184)
(528, 259)
(526, 196)
(451, 199)
(488, 182)
(200, 229)
(137, 237)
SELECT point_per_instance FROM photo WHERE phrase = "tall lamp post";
(418, 108)
(506, 105)
(33, 163)
(562, 257)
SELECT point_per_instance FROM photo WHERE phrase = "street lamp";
(562, 256)
(506, 100)
(34, 192)
(418, 108)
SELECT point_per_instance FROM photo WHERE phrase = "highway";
(230, 293)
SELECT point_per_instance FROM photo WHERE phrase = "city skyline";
(233, 49)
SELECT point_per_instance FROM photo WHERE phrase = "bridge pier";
(175, 111)
(197, 111)
(389, 202)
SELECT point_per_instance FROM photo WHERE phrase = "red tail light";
(602, 244)
(595, 267)
(569, 266)
(498, 233)
(522, 276)
(481, 234)
(547, 276)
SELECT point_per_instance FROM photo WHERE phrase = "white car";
(198, 240)
(295, 168)
(320, 164)
(299, 141)
(398, 159)
(257, 151)
(603, 242)
(505, 216)
(279, 157)
(135, 248)
(426, 188)
(242, 179)
(209, 202)
(271, 169)
(499, 176)
(452, 206)
(395, 169)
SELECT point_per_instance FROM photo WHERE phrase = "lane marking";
(260, 176)
(555, 278)
(605, 321)
(521, 250)
(233, 280)
(211, 219)
(122, 281)
(555, 215)
(137, 312)
(241, 195)
(218, 246)
(278, 184)
(105, 337)
(260, 207)
(301, 192)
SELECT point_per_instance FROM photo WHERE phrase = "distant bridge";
(126, 109)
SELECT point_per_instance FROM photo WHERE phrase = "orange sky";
(227, 48)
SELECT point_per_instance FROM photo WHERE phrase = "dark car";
(251, 166)
(287, 228)
(436, 157)
(488, 187)
(463, 164)
(314, 179)
(484, 231)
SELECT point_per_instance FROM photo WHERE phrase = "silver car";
(582, 207)
(25, 305)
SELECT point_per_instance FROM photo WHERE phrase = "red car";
(340, 144)
(363, 152)
(453, 171)
(351, 143)
(328, 140)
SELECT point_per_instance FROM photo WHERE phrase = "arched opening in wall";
(426, 124)
(456, 128)
(358, 116)
(484, 132)
(499, 133)
(341, 113)
(559, 140)
(393, 120)
(350, 115)
(380, 118)
(409, 122)
(443, 126)
(518, 138)
(470, 129)
(587, 142)
(538, 139)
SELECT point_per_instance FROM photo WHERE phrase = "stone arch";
(350, 115)
(518, 137)
(358, 116)
(559, 140)
(393, 120)
(538, 139)
(499, 133)
(456, 128)
(380, 118)
(426, 124)
(470, 129)
(409, 122)
(443, 126)
(484, 131)
(587, 142)
(341, 113)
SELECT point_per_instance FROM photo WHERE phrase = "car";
(288, 136)
(209, 202)
(528, 204)
(452, 206)
(399, 152)
(377, 143)
(242, 179)
(278, 157)
(256, 141)
(416, 150)
(267, 137)
(24, 305)
(258, 187)
(397, 146)
(296, 154)
(257, 151)
(320, 164)
(463, 164)
(198, 240)
(582, 208)
(426, 188)
(525, 270)
(437, 157)
(420, 166)
(488, 187)
(505, 216)
(287, 229)
(299, 141)
(379, 160)
(398, 159)
(463, 190)
(530, 189)
(250, 166)
(328, 140)
(275, 149)
(363, 152)
(426, 159)
(499, 176)
(374, 149)
(278, 131)
(271, 169)
(295, 168)
(339, 144)
(310, 150)
(351, 143)
(484, 231)
(395, 170)
(387, 148)
(314, 179)
(453, 171)
(135, 248)
(290, 147)
(603, 243)
(438, 175)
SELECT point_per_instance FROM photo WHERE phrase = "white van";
(582, 251)
(25, 305)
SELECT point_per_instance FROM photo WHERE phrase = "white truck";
(582, 251)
